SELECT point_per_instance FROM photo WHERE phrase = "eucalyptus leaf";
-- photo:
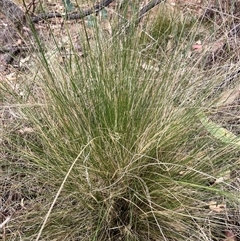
(68, 5)
(104, 13)
(219, 132)
(90, 21)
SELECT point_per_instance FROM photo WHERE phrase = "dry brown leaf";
(218, 208)
(197, 47)
(229, 236)
(26, 130)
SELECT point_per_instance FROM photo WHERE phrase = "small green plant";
(168, 29)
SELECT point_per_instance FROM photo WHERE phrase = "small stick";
(5, 222)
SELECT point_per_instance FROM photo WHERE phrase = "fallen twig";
(146, 8)
(5, 222)
(95, 9)
(71, 16)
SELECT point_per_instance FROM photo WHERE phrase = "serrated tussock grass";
(119, 148)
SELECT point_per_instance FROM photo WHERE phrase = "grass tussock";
(117, 148)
